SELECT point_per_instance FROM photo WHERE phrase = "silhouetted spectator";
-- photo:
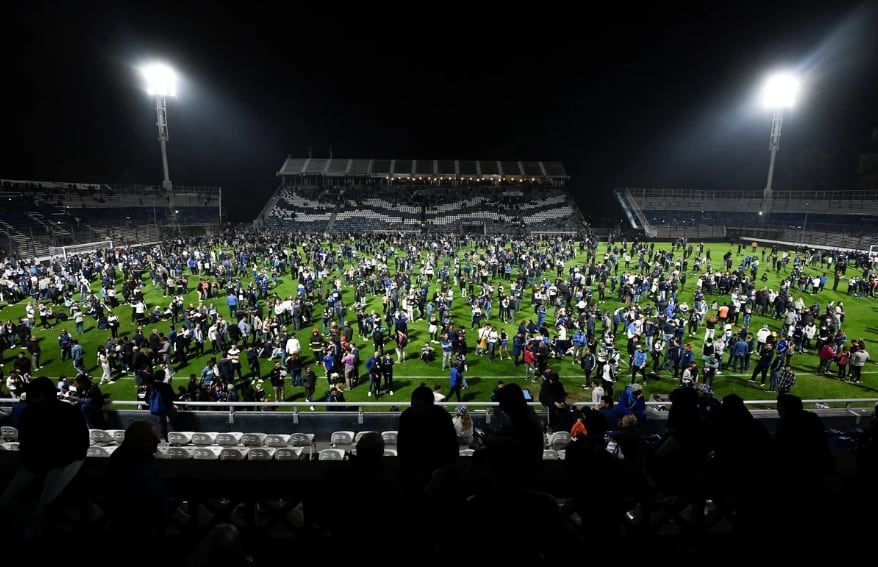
(133, 467)
(53, 441)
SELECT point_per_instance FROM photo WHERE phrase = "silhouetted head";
(422, 396)
(511, 399)
(40, 390)
(141, 436)
(370, 448)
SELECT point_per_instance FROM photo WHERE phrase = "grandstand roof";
(409, 168)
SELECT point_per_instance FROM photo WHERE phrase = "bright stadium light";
(778, 93)
(161, 83)
(161, 80)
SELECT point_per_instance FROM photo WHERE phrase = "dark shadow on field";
(466, 396)
(400, 383)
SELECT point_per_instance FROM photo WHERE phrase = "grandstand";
(344, 195)
(37, 216)
(835, 219)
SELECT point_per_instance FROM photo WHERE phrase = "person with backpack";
(402, 341)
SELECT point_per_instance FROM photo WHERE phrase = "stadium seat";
(9, 446)
(466, 452)
(8, 433)
(202, 438)
(551, 455)
(331, 455)
(206, 453)
(303, 440)
(390, 438)
(100, 437)
(234, 453)
(277, 440)
(390, 452)
(100, 451)
(260, 453)
(179, 453)
(558, 440)
(179, 437)
(288, 454)
(343, 439)
(228, 439)
(253, 439)
(118, 434)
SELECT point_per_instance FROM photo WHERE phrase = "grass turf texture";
(482, 374)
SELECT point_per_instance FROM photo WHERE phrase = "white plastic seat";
(253, 439)
(206, 453)
(202, 438)
(301, 439)
(179, 437)
(288, 454)
(551, 455)
(118, 435)
(331, 455)
(342, 439)
(8, 433)
(9, 446)
(277, 440)
(100, 451)
(390, 438)
(180, 453)
(389, 452)
(234, 453)
(304, 440)
(466, 452)
(559, 440)
(260, 453)
(230, 439)
(100, 437)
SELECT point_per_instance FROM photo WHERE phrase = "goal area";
(84, 248)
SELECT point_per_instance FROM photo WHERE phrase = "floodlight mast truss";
(773, 146)
(161, 112)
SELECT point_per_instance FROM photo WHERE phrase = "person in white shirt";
(597, 392)
(293, 347)
(438, 396)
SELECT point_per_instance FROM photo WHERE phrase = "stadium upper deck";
(355, 195)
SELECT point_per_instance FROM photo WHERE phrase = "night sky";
(659, 95)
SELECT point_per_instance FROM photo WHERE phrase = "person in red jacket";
(827, 355)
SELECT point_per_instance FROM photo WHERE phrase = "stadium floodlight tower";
(778, 93)
(161, 83)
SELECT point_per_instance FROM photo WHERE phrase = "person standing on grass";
(387, 372)
(277, 382)
(786, 379)
(858, 360)
(455, 380)
(309, 382)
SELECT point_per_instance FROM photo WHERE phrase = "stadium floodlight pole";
(778, 93)
(161, 83)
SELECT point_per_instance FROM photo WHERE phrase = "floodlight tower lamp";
(161, 83)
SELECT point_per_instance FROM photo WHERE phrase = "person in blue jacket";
(631, 402)
(638, 364)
